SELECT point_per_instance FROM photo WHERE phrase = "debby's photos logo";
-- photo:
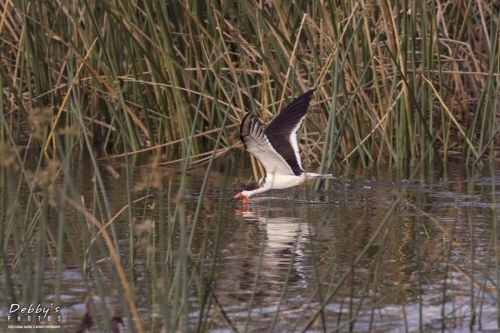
(34, 314)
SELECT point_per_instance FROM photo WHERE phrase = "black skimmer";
(276, 148)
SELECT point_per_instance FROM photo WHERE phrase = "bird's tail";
(312, 175)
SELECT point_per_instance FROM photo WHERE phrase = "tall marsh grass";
(398, 83)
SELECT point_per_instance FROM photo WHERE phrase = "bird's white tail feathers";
(312, 175)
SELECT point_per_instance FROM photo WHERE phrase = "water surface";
(376, 250)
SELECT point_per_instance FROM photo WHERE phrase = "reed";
(392, 78)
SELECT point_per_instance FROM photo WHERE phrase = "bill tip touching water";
(276, 148)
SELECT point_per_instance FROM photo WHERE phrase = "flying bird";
(276, 148)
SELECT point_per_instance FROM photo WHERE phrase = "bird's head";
(245, 190)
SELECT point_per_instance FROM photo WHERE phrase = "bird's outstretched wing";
(255, 140)
(282, 131)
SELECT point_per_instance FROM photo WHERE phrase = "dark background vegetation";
(395, 80)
